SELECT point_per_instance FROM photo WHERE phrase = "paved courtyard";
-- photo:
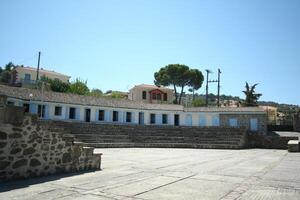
(172, 174)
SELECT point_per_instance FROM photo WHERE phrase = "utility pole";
(219, 72)
(38, 67)
(206, 100)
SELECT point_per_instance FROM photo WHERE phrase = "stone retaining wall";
(296, 122)
(269, 142)
(28, 148)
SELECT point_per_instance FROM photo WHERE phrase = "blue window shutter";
(33, 108)
(233, 122)
(216, 121)
(202, 120)
(188, 120)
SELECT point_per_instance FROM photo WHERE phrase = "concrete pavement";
(135, 173)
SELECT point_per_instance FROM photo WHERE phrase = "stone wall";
(28, 148)
(269, 142)
(243, 120)
(296, 122)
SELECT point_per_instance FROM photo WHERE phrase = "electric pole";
(219, 72)
(206, 100)
(38, 67)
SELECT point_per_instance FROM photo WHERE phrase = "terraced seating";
(117, 135)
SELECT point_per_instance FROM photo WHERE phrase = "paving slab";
(154, 173)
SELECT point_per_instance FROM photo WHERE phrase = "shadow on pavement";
(22, 183)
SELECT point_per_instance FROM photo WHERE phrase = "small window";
(128, 116)
(115, 116)
(154, 96)
(72, 113)
(101, 115)
(233, 122)
(27, 77)
(158, 97)
(144, 95)
(165, 119)
(152, 118)
(41, 111)
(57, 110)
(26, 107)
(165, 97)
(10, 103)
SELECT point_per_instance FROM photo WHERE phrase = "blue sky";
(118, 44)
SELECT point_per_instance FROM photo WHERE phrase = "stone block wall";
(243, 120)
(296, 122)
(28, 148)
(268, 142)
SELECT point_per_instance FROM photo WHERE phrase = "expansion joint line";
(166, 184)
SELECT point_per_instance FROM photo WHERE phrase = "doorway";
(87, 115)
(176, 120)
(141, 118)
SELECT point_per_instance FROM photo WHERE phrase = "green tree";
(55, 85)
(178, 75)
(199, 102)
(96, 93)
(196, 80)
(7, 74)
(79, 87)
(116, 95)
(251, 96)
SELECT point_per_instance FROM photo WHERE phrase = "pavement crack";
(165, 184)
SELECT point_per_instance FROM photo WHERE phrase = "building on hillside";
(27, 75)
(70, 107)
(151, 94)
(272, 114)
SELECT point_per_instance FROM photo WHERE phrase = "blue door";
(188, 120)
(253, 124)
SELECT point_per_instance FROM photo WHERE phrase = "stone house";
(151, 94)
(27, 75)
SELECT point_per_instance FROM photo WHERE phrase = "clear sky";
(118, 44)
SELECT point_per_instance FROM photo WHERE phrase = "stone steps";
(163, 145)
(115, 135)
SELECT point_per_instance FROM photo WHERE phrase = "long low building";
(70, 107)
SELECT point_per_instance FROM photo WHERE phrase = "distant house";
(151, 94)
(27, 75)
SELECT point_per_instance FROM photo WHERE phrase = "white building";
(70, 107)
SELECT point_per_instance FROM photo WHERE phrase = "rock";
(28, 151)
(34, 162)
(17, 129)
(60, 146)
(15, 151)
(2, 144)
(4, 164)
(15, 135)
(66, 158)
(45, 147)
(20, 163)
(3, 135)
(54, 141)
